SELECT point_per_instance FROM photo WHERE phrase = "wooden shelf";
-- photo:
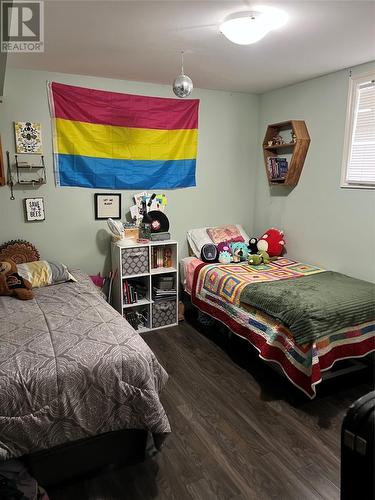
(298, 150)
(280, 146)
(162, 270)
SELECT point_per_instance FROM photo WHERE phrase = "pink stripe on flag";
(123, 110)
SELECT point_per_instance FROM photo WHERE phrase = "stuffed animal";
(11, 283)
(225, 257)
(258, 258)
(239, 251)
(272, 242)
(223, 247)
(252, 246)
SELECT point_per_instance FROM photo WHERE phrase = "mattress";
(302, 364)
(71, 367)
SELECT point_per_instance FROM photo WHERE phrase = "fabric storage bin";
(134, 261)
(164, 313)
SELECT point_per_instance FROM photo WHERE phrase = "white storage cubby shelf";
(137, 266)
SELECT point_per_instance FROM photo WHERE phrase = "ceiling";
(141, 41)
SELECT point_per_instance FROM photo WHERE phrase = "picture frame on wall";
(28, 137)
(34, 209)
(107, 205)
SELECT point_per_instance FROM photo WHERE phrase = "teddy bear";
(11, 283)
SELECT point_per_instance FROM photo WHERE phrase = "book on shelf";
(161, 257)
(277, 167)
(133, 291)
(158, 294)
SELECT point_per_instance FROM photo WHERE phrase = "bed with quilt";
(72, 368)
(302, 317)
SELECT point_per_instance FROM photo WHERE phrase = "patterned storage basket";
(134, 261)
(164, 313)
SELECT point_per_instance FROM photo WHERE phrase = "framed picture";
(34, 209)
(28, 137)
(107, 205)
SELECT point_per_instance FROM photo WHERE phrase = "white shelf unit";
(135, 263)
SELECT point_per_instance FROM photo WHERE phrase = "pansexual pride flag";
(122, 141)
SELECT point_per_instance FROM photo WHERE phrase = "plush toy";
(272, 242)
(252, 246)
(225, 257)
(223, 247)
(258, 258)
(239, 251)
(11, 283)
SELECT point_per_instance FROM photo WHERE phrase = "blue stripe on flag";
(106, 173)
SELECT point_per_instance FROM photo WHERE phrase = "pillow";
(42, 273)
(196, 239)
(199, 237)
(229, 232)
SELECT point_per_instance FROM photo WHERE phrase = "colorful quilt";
(302, 364)
(228, 280)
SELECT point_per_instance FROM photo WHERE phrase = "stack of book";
(133, 291)
(164, 288)
(277, 167)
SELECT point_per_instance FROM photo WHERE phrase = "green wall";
(323, 223)
(225, 168)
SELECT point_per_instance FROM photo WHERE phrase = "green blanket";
(314, 306)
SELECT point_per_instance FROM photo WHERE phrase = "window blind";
(361, 161)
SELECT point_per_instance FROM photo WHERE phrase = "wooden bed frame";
(80, 457)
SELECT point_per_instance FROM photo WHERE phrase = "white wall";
(323, 223)
(225, 171)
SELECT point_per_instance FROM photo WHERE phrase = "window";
(358, 169)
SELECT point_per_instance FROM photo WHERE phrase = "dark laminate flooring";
(239, 430)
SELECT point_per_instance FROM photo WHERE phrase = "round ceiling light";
(245, 28)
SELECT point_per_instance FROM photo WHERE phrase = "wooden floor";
(239, 431)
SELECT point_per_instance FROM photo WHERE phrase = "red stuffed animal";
(272, 242)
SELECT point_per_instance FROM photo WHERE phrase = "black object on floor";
(357, 450)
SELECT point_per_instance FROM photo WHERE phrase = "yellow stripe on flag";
(106, 141)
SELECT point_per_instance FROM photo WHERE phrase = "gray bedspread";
(71, 367)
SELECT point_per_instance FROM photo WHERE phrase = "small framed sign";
(34, 209)
(107, 205)
(28, 137)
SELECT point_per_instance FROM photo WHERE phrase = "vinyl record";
(158, 220)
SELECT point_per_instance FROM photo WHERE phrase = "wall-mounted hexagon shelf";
(284, 156)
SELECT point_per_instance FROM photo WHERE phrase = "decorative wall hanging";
(28, 137)
(107, 205)
(122, 141)
(34, 209)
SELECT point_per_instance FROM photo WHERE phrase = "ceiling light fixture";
(182, 86)
(245, 28)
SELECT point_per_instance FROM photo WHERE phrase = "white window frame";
(349, 129)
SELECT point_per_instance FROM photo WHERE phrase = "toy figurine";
(294, 137)
(277, 140)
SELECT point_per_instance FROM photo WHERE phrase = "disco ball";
(182, 86)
